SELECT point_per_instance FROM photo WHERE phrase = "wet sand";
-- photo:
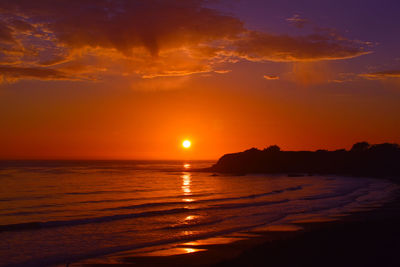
(363, 239)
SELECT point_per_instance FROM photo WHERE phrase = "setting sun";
(186, 144)
(159, 128)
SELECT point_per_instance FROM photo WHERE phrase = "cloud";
(271, 77)
(22, 26)
(297, 21)
(222, 71)
(381, 75)
(11, 74)
(258, 46)
(125, 25)
(6, 34)
(149, 38)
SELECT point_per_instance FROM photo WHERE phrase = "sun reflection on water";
(190, 217)
(170, 252)
(186, 183)
(187, 233)
(191, 250)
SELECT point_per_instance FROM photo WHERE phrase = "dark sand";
(365, 238)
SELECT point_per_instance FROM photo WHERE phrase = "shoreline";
(371, 235)
(363, 238)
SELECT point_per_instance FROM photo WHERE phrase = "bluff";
(363, 159)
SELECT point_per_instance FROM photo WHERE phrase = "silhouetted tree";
(253, 149)
(381, 160)
(273, 148)
(360, 147)
(385, 148)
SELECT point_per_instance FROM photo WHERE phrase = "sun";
(186, 144)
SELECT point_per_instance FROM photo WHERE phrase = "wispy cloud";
(297, 21)
(271, 77)
(222, 71)
(8, 73)
(381, 75)
(258, 46)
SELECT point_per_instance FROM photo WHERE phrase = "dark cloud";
(123, 25)
(258, 46)
(149, 37)
(22, 26)
(6, 35)
(8, 73)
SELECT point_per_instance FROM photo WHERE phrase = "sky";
(132, 79)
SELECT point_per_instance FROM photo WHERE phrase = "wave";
(175, 210)
(145, 205)
(24, 213)
(192, 224)
(246, 205)
(24, 198)
(141, 198)
(38, 225)
(90, 201)
(108, 191)
(333, 194)
(49, 224)
(61, 259)
(161, 204)
(108, 218)
(257, 195)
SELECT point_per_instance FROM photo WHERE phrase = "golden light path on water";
(186, 184)
(187, 192)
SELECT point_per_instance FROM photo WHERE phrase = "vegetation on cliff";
(363, 159)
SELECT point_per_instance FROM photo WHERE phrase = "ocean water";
(54, 212)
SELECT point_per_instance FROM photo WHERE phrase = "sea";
(54, 213)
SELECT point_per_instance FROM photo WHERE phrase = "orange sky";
(113, 86)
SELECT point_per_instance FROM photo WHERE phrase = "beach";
(365, 238)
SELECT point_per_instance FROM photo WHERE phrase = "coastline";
(362, 238)
(362, 160)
